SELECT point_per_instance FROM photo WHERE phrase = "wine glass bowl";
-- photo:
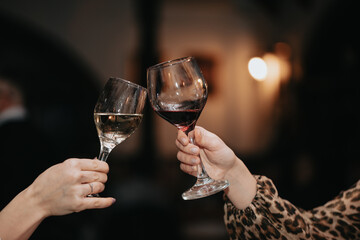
(118, 113)
(178, 92)
(114, 128)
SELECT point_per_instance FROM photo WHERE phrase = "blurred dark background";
(298, 124)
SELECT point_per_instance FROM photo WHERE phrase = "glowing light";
(257, 68)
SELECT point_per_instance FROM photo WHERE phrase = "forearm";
(242, 187)
(20, 218)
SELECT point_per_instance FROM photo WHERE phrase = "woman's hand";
(216, 156)
(219, 161)
(60, 190)
(63, 188)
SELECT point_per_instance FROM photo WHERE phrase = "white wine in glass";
(114, 128)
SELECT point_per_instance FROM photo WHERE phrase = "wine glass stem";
(202, 174)
(104, 153)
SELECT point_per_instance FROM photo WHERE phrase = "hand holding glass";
(178, 93)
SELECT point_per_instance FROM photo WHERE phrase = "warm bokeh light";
(257, 68)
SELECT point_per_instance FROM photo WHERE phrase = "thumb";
(203, 138)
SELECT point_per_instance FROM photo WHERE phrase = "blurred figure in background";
(20, 143)
(11, 103)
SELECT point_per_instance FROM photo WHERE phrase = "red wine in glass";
(183, 115)
(182, 119)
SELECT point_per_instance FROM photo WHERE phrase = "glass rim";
(171, 62)
(128, 82)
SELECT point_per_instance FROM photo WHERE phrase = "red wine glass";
(178, 92)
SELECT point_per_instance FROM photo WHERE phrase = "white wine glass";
(178, 92)
(118, 113)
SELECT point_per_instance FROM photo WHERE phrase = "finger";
(191, 136)
(94, 165)
(189, 149)
(92, 188)
(95, 202)
(206, 139)
(179, 145)
(92, 176)
(182, 138)
(87, 164)
(191, 170)
(188, 159)
(198, 133)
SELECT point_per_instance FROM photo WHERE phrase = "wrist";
(34, 202)
(242, 189)
(20, 218)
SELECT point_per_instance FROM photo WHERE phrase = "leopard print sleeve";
(271, 217)
(340, 217)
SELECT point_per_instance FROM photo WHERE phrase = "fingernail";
(194, 150)
(113, 200)
(194, 168)
(193, 160)
(183, 140)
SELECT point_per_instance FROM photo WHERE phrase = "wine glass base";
(204, 188)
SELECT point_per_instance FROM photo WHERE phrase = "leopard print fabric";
(271, 217)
